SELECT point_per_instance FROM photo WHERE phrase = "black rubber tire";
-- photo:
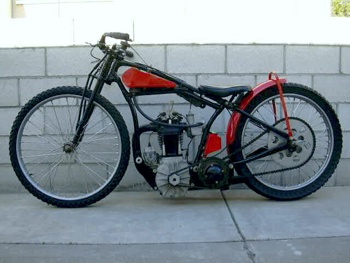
(114, 177)
(263, 189)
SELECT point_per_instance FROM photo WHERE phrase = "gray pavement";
(206, 226)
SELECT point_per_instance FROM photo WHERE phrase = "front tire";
(47, 164)
(317, 130)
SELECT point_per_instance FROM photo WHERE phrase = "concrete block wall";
(24, 72)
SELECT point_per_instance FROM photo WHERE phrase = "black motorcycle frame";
(105, 72)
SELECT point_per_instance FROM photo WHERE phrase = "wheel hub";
(214, 173)
(68, 147)
(302, 146)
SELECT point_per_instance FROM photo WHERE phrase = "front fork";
(86, 109)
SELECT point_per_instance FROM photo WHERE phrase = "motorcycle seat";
(223, 91)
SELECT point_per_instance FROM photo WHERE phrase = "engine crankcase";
(172, 184)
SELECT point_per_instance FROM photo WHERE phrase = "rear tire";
(318, 133)
(54, 171)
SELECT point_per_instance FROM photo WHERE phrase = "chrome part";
(150, 156)
(138, 160)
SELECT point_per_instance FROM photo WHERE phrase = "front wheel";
(50, 166)
(289, 175)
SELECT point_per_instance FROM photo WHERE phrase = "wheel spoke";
(314, 131)
(63, 174)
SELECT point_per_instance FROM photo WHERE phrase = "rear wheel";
(50, 166)
(288, 175)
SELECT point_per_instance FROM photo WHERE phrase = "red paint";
(134, 78)
(213, 144)
(284, 105)
(236, 117)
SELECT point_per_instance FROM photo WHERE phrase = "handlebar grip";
(117, 35)
(129, 53)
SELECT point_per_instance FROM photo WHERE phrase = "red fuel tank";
(134, 78)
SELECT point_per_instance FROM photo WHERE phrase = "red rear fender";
(236, 117)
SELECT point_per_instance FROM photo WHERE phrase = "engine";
(170, 162)
(170, 137)
(170, 165)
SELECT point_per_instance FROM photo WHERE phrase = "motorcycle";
(70, 146)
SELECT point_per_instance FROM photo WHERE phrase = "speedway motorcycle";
(70, 146)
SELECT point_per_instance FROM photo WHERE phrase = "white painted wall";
(175, 21)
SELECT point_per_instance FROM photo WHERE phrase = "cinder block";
(196, 59)
(343, 114)
(254, 59)
(9, 92)
(70, 61)
(264, 77)
(133, 180)
(113, 94)
(153, 55)
(300, 79)
(9, 181)
(312, 59)
(225, 80)
(334, 88)
(150, 110)
(295, 78)
(345, 60)
(4, 147)
(110, 92)
(342, 173)
(165, 99)
(22, 62)
(31, 87)
(190, 79)
(203, 115)
(332, 181)
(7, 117)
(346, 145)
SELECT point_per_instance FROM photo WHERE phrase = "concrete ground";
(207, 226)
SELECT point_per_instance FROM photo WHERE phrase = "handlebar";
(120, 36)
(115, 35)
